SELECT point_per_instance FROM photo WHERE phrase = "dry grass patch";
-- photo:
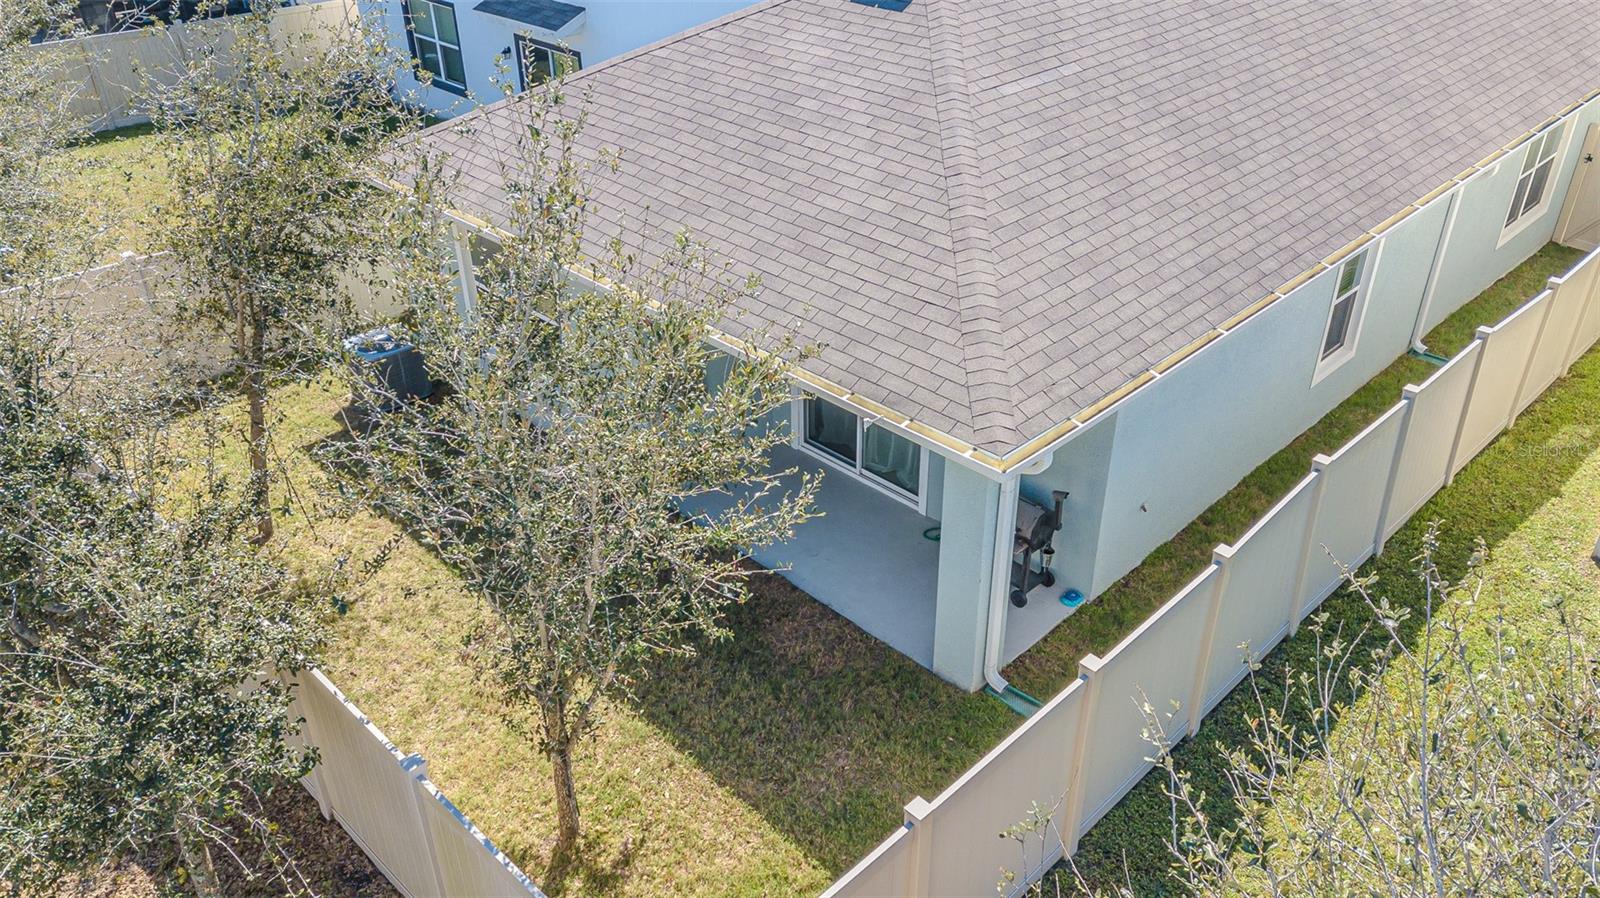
(765, 766)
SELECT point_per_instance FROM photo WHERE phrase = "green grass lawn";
(1533, 496)
(119, 179)
(763, 767)
(774, 760)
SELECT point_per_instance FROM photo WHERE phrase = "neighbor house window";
(1534, 183)
(876, 454)
(538, 62)
(435, 43)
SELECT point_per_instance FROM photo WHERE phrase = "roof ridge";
(989, 373)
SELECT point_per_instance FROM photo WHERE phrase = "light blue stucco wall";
(1471, 259)
(966, 553)
(1184, 440)
(1081, 468)
(611, 27)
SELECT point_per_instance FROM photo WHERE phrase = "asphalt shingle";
(993, 212)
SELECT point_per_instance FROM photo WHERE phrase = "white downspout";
(1000, 582)
(1433, 271)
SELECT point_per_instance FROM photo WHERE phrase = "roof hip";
(989, 370)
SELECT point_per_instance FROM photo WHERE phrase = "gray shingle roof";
(550, 15)
(992, 213)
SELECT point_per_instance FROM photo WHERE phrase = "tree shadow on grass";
(1492, 497)
(590, 872)
(821, 729)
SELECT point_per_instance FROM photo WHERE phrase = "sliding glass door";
(877, 455)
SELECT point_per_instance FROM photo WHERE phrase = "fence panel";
(1505, 358)
(72, 68)
(1567, 303)
(128, 65)
(883, 873)
(1155, 664)
(1436, 410)
(127, 327)
(1255, 608)
(964, 852)
(370, 792)
(1347, 519)
(412, 833)
(469, 864)
(106, 75)
(1588, 327)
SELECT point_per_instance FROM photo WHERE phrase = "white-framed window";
(1344, 313)
(436, 43)
(1536, 181)
(875, 455)
(538, 62)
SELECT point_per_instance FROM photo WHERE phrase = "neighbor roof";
(993, 213)
(549, 15)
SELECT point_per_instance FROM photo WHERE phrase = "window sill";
(1332, 363)
(438, 84)
(1528, 220)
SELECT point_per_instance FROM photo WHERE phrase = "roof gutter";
(1001, 467)
(1029, 452)
(979, 460)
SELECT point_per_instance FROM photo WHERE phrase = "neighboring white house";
(1121, 252)
(476, 51)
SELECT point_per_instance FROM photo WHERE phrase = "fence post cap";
(1484, 330)
(917, 810)
(1410, 391)
(415, 764)
(1223, 553)
(1320, 462)
(1090, 664)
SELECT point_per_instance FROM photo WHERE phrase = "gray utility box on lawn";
(395, 365)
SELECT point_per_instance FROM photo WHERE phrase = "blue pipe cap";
(1072, 598)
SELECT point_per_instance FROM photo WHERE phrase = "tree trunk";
(255, 392)
(560, 753)
(566, 803)
(197, 861)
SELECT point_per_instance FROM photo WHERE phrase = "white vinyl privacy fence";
(385, 801)
(1081, 753)
(129, 325)
(105, 77)
(381, 796)
(126, 326)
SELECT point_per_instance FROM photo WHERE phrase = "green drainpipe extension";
(1427, 356)
(1015, 699)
